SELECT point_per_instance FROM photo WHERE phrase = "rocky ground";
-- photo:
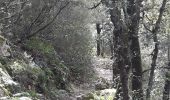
(103, 67)
(100, 88)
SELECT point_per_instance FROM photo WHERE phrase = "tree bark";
(155, 30)
(133, 11)
(98, 39)
(102, 47)
(111, 48)
(166, 92)
(121, 46)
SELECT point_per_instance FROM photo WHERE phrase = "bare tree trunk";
(111, 48)
(98, 39)
(136, 65)
(102, 47)
(133, 11)
(155, 30)
(166, 92)
(121, 46)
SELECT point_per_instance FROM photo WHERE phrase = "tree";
(98, 28)
(121, 46)
(154, 31)
(131, 26)
(133, 20)
(166, 91)
(55, 33)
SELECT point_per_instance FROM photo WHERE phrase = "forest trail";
(103, 67)
(103, 70)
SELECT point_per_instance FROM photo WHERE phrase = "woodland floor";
(103, 69)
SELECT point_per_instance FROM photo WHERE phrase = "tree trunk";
(111, 48)
(121, 46)
(98, 39)
(133, 11)
(166, 91)
(155, 30)
(136, 70)
(102, 47)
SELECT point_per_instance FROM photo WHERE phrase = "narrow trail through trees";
(103, 68)
(103, 71)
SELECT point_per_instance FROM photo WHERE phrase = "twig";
(155, 68)
(95, 5)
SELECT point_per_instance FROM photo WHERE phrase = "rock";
(15, 98)
(4, 48)
(106, 94)
(6, 78)
(21, 94)
(4, 98)
(79, 97)
(102, 84)
(63, 95)
(2, 93)
(6, 83)
(24, 98)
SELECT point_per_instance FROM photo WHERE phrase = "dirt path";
(104, 73)
(103, 69)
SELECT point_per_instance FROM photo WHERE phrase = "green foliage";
(168, 76)
(45, 79)
(3, 61)
(75, 51)
(33, 94)
(55, 72)
(40, 45)
(69, 34)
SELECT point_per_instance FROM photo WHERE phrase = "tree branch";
(45, 26)
(155, 68)
(96, 5)
(147, 28)
(155, 30)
